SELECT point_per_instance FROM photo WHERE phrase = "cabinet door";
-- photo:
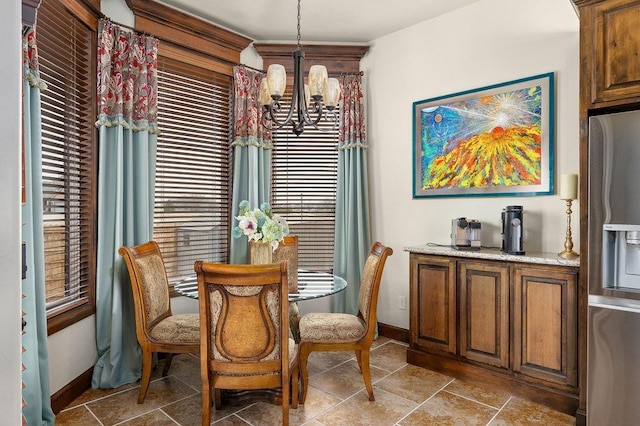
(484, 312)
(545, 323)
(433, 303)
(610, 37)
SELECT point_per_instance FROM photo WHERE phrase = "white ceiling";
(348, 21)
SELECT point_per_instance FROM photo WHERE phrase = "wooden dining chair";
(244, 340)
(344, 332)
(157, 329)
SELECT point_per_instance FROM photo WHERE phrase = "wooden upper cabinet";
(484, 312)
(610, 51)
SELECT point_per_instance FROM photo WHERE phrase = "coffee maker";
(512, 229)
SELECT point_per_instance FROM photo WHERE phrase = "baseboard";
(393, 332)
(71, 391)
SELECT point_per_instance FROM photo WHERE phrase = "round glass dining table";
(311, 285)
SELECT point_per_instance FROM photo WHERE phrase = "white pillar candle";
(569, 186)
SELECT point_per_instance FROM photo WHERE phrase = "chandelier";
(309, 102)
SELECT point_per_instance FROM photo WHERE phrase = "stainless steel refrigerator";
(613, 335)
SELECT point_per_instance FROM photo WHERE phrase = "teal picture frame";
(496, 140)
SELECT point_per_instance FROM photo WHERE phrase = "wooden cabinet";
(609, 49)
(433, 303)
(544, 324)
(484, 312)
(609, 81)
(515, 320)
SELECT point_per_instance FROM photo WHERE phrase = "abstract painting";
(496, 140)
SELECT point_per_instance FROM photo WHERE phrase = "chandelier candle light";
(568, 192)
(322, 93)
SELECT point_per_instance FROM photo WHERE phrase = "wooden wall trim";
(393, 332)
(337, 58)
(65, 396)
(186, 31)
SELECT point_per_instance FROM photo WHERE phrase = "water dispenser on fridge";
(621, 256)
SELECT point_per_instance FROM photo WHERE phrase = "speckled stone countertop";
(494, 254)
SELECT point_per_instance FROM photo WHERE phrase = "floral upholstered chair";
(157, 329)
(344, 332)
(244, 323)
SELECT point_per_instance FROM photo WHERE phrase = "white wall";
(10, 231)
(486, 43)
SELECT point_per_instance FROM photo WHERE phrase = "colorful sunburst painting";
(496, 141)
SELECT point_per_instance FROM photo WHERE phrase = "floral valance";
(127, 78)
(247, 126)
(30, 67)
(352, 129)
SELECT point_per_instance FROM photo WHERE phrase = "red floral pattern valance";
(352, 129)
(247, 126)
(30, 67)
(127, 78)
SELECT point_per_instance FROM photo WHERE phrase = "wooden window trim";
(188, 32)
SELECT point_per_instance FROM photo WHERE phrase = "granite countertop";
(494, 254)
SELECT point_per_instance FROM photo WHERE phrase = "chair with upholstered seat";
(244, 323)
(344, 332)
(157, 329)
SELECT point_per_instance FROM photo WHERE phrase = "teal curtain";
(127, 123)
(353, 229)
(252, 144)
(36, 393)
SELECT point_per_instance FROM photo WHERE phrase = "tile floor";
(405, 395)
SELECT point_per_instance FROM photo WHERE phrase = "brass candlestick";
(568, 252)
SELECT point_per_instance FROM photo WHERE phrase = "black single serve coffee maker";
(512, 229)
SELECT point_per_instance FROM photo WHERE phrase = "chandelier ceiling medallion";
(319, 98)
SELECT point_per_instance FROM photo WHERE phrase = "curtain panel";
(127, 123)
(353, 228)
(36, 393)
(252, 144)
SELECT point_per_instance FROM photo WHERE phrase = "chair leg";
(295, 378)
(304, 374)
(359, 359)
(366, 373)
(206, 404)
(146, 375)
(218, 398)
(167, 364)
(286, 394)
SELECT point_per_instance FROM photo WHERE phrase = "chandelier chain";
(298, 24)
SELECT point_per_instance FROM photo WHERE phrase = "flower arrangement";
(260, 224)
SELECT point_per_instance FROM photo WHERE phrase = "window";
(193, 175)
(303, 189)
(66, 48)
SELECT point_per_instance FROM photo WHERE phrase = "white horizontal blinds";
(193, 176)
(67, 65)
(304, 182)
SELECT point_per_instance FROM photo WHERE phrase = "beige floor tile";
(413, 383)
(493, 398)
(405, 395)
(519, 412)
(153, 418)
(389, 356)
(344, 380)
(444, 409)
(319, 362)
(122, 406)
(78, 416)
(387, 409)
